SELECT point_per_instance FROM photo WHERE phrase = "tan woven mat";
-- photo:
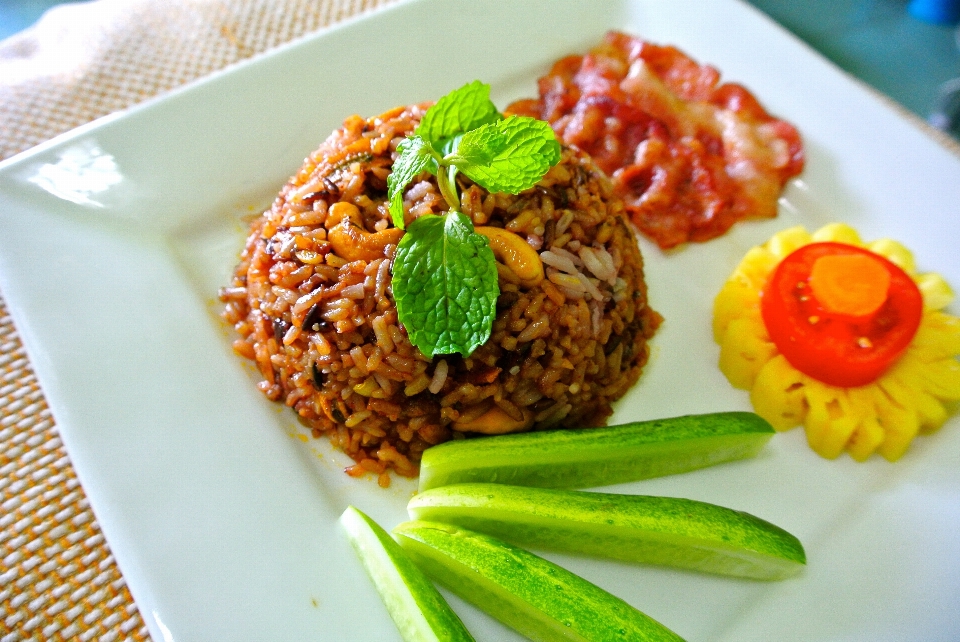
(58, 580)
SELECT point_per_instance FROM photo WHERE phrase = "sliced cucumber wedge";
(597, 456)
(528, 593)
(417, 608)
(654, 530)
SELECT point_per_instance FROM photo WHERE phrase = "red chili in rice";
(316, 312)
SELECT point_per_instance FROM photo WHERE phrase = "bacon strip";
(690, 156)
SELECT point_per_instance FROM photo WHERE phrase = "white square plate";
(115, 237)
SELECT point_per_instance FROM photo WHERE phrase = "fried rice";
(318, 318)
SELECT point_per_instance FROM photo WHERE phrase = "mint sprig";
(464, 132)
(444, 273)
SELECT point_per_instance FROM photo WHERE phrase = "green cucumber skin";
(443, 623)
(669, 531)
(539, 599)
(598, 456)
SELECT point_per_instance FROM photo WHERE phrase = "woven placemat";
(58, 580)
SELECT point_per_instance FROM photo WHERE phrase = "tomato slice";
(844, 338)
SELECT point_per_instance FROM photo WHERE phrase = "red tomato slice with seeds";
(834, 327)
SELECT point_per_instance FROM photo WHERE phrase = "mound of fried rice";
(323, 329)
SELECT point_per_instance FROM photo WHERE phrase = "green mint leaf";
(445, 285)
(449, 145)
(507, 156)
(458, 112)
(416, 156)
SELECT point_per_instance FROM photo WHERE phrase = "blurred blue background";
(16, 15)
(879, 41)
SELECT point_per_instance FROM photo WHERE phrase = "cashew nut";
(495, 422)
(515, 253)
(350, 241)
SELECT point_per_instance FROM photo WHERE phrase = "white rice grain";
(599, 262)
(596, 313)
(383, 335)
(590, 287)
(535, 330)
(439, 377)
(385, 384)
(567, 281)
(565, 220)
(558, 261)
(559, 251)
(383, 274)
(356, 291)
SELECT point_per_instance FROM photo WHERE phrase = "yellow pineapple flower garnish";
(884, 415)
